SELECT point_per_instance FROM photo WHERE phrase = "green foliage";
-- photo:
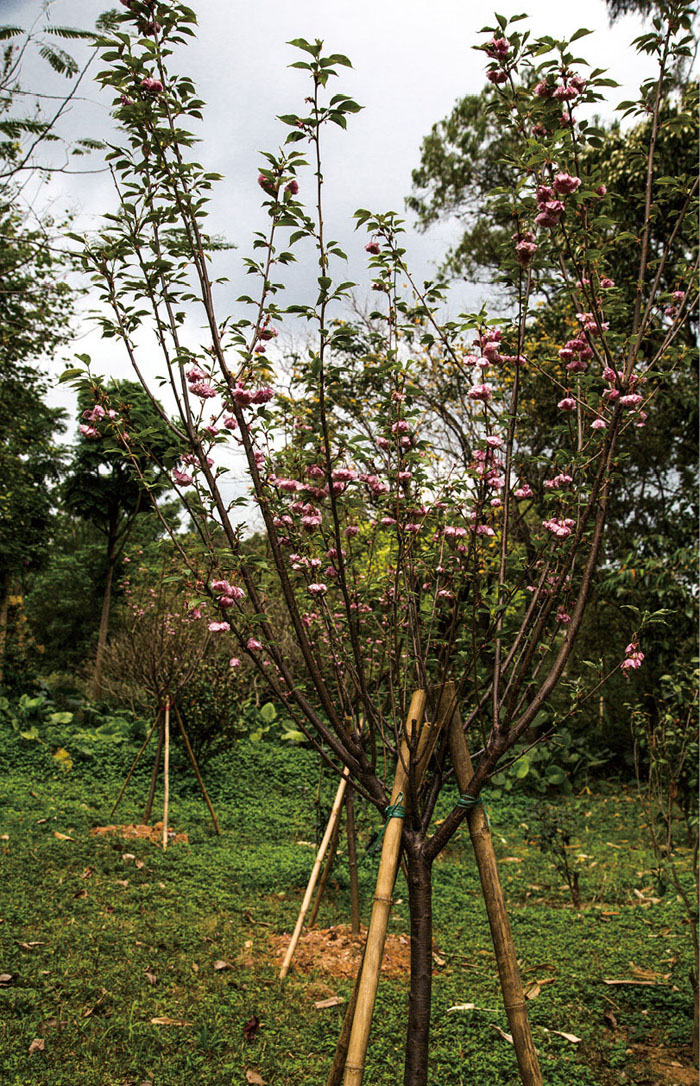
(562, 762)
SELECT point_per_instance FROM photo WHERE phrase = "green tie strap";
(394, 810)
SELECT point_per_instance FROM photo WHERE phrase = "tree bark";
(421, 912)
(104, 628)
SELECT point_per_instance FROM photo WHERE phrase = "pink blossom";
(318, 589)
(202, 389)
(218, 627)
(267, 184)
(373, 247)
(565, 92)
(497, 75)
(383, 443)
(386, 522)
(152, 86)
(343, 475)
(351, 531)
(292, 187)
(242, 396)
(543, 90)
(230, 423)
(498, 47)
(566, 184)
(480, 392)
(89, 431)
(483, 529)
(559, 528)
(494, 441)
(567, 404)
(563, 617)
(606, 283)
(267, 332)
(404, 476)
(598, 424)
(262, 395)
(524, 491)
(234, 662)
(632, 399)
(558, 482)
(182, 478)
(601, 190)
(253, 645)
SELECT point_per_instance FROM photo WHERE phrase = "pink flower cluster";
(561, 528)
(633, 658)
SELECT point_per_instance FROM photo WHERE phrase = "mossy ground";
(100, 923)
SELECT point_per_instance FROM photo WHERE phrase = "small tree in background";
(396, 572)
(109, 490)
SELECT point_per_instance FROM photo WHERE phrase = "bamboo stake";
(166, 774)
(388, 867)
(492, 890)
(355, 917)
(327, 868)
(335, 814)
(198, 775)
(154, 775)
(134, 764)
(335, 1076)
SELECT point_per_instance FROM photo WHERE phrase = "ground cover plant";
(102, 935)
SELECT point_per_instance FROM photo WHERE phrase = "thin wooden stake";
(133, 765)
(388, 867)
(355, 917)
(335, 814)
(492, 890)
(166, 774)
(198, 775)
(154, 774)
(327, 868)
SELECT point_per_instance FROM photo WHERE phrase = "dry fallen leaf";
(91, 1010)
(30, 946)
(123, 882)
(506, 1036)
(610, 1019)
(37, 1045)
(567, 1036)
(126, 856)
(221, 964)
(195, 967)
(254, 1078)
(5, 978)
(165, 1020)
(635, 983)
(251, 1028)
(333, 1001)
(82, 892)
(533, 992)
(139, 864)
(150, 977)
(437, 959)
(61, 836)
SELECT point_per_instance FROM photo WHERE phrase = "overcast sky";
(412, 61)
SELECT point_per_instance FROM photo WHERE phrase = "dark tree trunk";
(4, 616)
(104, 629)
(421, 910)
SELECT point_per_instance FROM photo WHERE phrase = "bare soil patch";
(154, 833)
(338, 953)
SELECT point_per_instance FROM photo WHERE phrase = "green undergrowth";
(117, 933)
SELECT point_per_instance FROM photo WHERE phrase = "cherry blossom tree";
(397, 568)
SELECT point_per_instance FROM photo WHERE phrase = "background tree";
(109, 488)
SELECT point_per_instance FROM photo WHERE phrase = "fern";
(59, 60)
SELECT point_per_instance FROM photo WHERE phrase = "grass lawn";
(102, 935)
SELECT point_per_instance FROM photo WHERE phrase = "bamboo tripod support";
(388, 867)
(163, 749)
(335, 815)
(133, 765)
(509, 974)
(328, 865)
(166, 772)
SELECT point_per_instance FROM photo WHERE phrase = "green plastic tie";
(394, 810)
(470, 802)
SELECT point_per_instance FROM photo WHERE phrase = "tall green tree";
(109, 481)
